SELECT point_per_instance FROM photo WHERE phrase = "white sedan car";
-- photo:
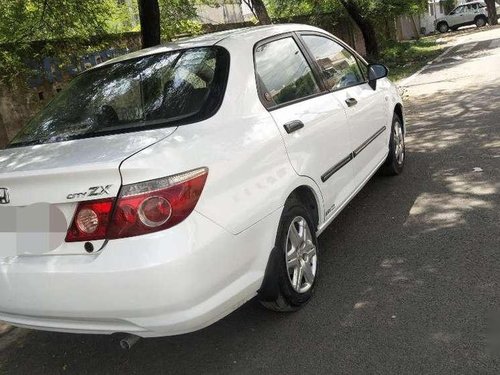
(163, 189)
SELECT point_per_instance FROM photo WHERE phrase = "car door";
(469, 13)
(475, 9)
(456, 17)
(366, 108)
(312, 122)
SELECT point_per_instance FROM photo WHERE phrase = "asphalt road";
(410, 270)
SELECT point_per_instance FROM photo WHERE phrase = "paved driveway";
(410, 273)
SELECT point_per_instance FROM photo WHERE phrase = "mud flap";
(269, 290)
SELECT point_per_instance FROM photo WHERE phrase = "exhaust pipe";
(128, 341)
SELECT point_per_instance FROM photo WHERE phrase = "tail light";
(141, 208)
(90, 221)
(156, 205)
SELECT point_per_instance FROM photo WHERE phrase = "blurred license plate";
(33, 230)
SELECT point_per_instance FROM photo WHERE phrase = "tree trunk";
(261, 12)
(492, 12)
(149, 14)
(366, 27)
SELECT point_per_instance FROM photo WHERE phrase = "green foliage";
(179, 17)
(370, 8)
(14, 57)
(405, 58)
(32, 29)
(291, 8)
(28, 20)
(23, 22)
(393, 8)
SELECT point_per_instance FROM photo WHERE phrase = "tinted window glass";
(283, 73)
(173, 88)
(338, 66)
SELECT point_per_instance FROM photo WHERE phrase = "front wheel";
(395, 161)
(296, 261)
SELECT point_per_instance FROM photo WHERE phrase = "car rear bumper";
(172, 282)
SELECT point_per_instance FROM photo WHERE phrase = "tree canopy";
(29, 20)
(23, 21)
(365, 13)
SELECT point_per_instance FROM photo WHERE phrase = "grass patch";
(405, 58)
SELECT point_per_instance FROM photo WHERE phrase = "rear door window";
(169, 89)
(283, 73)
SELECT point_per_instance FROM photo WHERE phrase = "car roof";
(255, 33)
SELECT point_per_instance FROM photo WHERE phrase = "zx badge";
(94, 191)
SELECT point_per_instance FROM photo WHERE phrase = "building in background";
(435, 9)
(224, 11)
(216, 13)
(412, 26)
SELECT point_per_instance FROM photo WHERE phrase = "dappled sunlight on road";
(465, 184)
(441, 211)
(461, 124)
(454, 117)
(433, 273)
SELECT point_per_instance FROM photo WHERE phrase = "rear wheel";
(443, 27)
(481, 21)
(296, 262)
(397, 150)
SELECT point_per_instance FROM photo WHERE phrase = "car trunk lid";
(41, 185)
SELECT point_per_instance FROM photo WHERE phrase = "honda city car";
(161, 190)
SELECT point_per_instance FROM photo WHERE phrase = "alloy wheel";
(399, 143)
(301, 256)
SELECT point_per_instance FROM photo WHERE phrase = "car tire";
(481, 21)
(443, 27)
(296, 262)
(395, 161)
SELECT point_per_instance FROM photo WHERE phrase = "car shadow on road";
(409, 274)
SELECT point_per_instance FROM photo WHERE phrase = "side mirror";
(376, 72)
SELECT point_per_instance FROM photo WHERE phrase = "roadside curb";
(4, 329)
(403, 83)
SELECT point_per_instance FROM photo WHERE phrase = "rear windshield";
(170, 89)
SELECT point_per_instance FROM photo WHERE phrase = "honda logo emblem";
(4, 196)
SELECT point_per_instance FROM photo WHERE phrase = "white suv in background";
(472, 13)
(163, 189)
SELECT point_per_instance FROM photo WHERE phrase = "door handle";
(351, 102)
(293, 126)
